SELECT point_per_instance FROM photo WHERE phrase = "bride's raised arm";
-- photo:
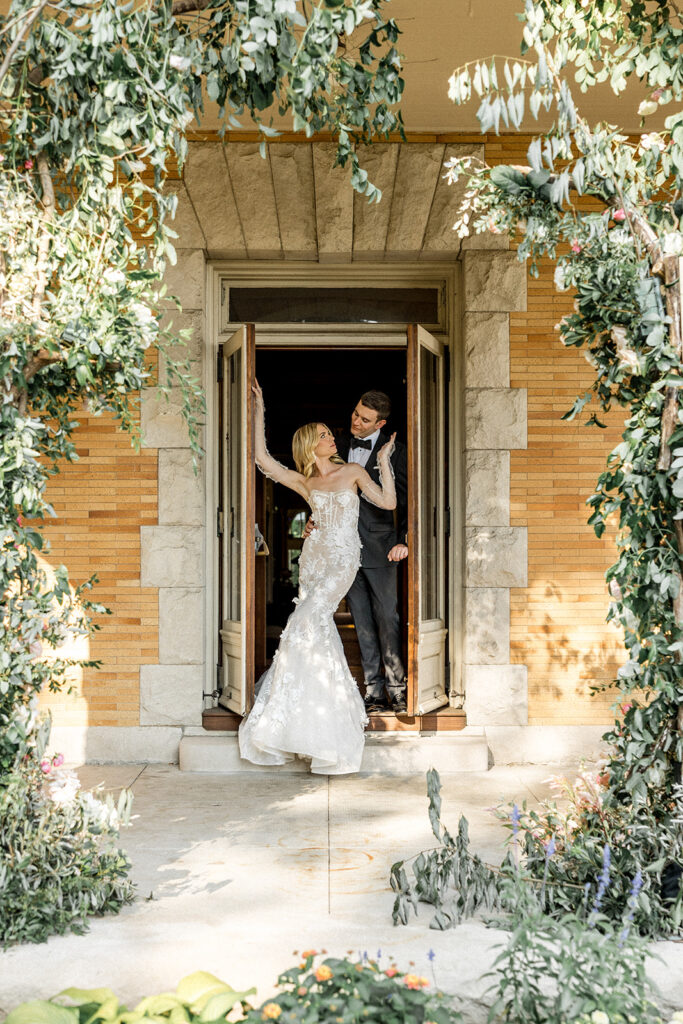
(264, 460)
(384, 496)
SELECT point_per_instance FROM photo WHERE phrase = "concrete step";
(384, 754)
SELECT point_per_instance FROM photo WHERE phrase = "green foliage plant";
(607, 210)
(337, 991)
(59, 857)
(96, 97)
(200, 997)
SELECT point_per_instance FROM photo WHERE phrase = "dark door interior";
(300, 386)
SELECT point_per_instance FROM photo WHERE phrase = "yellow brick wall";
(557, 622)
(101, 502)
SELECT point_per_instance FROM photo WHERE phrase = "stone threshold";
(387, 753)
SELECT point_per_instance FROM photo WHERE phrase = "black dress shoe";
(397, 704)
(373, 704)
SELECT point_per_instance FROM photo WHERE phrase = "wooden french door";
(237, 512)
(426, 523)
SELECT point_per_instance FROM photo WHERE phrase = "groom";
(373, 597)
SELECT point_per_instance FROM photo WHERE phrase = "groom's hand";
(398, 553)
(310, 527)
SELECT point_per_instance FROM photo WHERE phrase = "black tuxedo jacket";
(378, 528)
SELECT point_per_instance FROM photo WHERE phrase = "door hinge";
(219, 522)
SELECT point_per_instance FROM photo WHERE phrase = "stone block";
(371, 220)
(487, 488)
(185, 280)
(495, 418)
(181, 489)
(417, 174)
(546, 744)
(487, 350)
(210, 189)
(252, 182)
(185, 222)
(439, 235)
(487, 626)
(333, 205)
(493, 281)
(171, 556)
(171, 694)
(181, 626)
(292, 166)
(161, 419)
(496, 556)
(193, 349)
(496, 695)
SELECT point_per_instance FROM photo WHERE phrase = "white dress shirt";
(361, 455)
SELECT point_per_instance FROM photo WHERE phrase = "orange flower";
(308, 952)
(411, 981)
(323, 973)
(424, 982)
(302, 990)
(390, 972)
(271, 1011)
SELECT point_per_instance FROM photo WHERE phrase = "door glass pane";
(334, 305)
(234, 482)
(429, 469)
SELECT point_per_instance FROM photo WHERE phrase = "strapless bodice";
(335, 510)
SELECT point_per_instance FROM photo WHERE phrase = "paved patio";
(235, 872)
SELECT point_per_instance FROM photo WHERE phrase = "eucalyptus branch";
(16, 43)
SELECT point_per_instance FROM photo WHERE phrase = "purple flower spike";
(550, 848)
(515, 818)
(431, 955)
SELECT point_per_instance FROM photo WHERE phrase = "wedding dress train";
(308, 703)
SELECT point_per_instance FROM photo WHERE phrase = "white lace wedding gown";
(308, 703)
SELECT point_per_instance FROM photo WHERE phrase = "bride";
(308, 703)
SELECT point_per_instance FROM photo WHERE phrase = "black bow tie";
(358, 442)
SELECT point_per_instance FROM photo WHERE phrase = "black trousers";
(372, 601)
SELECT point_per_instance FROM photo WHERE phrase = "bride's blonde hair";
(304, 444)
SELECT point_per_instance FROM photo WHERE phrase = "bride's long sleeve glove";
(383, 496)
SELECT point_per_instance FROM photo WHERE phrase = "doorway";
(302, 385)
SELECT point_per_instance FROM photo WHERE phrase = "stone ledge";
(496, 556)
(496, 695)
(104, 744)
(545, 744)
(389, 754)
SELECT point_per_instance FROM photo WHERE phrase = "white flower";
(99, 812)
(142, 314)
(178, 62)
(652, 140)
(647, 107)
(113, 274)
(63, 786)
(599, 1017)
(560, 282)
(672, 243)
(615, 590)
(628, 357)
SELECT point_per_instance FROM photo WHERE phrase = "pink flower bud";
(58, 760)
(28, 165)
(619, 215)
(575, 247)
(46, 766)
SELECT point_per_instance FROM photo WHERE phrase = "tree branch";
(188, 6)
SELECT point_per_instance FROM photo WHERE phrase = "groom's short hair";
(378, 401)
